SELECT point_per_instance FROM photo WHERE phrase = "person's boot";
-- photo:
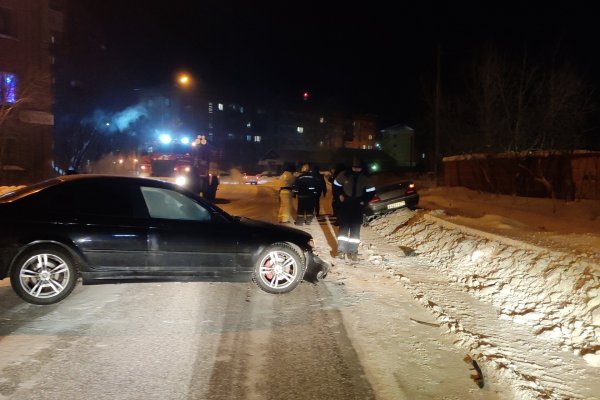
(353, 256)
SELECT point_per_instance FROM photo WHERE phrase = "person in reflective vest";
(286, 180)
(305, 188)
(353, 190)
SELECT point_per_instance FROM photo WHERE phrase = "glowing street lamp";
(184, 79)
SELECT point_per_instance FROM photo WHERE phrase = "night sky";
(377, 57)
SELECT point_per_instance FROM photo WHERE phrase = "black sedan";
(392, 197)
(122, 229)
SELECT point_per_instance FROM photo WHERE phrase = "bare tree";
(519, 108)
(524, 106)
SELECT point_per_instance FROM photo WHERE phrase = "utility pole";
(436, 161)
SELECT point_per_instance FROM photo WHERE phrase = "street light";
(184, 80)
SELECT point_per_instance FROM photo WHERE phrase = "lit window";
(300, 129)
(241, 110)
(370, 137)
(220, 107)
(257, 139)
(230, 136)
(8, 87)
(322, 120)
(364, 147)
(321, 143)
(248, 138)
(249, 125)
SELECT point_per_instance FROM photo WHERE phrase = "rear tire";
(44, 275)
(279, 269)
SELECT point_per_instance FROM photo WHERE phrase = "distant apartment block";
(399, 142)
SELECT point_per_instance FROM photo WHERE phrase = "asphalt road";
(178, 341)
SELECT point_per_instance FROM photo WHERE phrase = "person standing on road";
(321, 189)
(354, 190)
(286, 181)
(212, 186)
(305, 188)
(335, 202)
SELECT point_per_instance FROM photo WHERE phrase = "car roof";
(36, 187)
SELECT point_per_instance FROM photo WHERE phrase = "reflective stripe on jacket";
(354, 185)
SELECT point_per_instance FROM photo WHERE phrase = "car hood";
(283, 231)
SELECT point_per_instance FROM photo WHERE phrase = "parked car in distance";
(391, 197)
(251, 179)
(108, 229)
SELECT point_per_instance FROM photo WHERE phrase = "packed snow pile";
(555, 293)
(516, 279)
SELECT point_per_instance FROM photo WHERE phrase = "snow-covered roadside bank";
(525, 312)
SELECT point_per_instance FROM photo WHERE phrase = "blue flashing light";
(185, 140)
(165, 138)
(8, 85)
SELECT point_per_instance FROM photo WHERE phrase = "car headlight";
(181, 180)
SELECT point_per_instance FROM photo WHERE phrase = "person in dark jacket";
(335, 202)
(321, 189)
(354, 190)
(212, 186)
(305, 188)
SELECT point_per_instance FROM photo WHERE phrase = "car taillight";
(411, 188)
(375, 199)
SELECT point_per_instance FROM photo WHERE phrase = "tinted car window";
(169, 204)
(89, 198)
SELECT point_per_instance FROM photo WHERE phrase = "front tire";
(279, 269)
(44, 275)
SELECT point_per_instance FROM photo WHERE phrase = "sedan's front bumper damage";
(316, 268)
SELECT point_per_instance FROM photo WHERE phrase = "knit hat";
(356, 163)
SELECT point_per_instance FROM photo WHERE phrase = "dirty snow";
(534, 271)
